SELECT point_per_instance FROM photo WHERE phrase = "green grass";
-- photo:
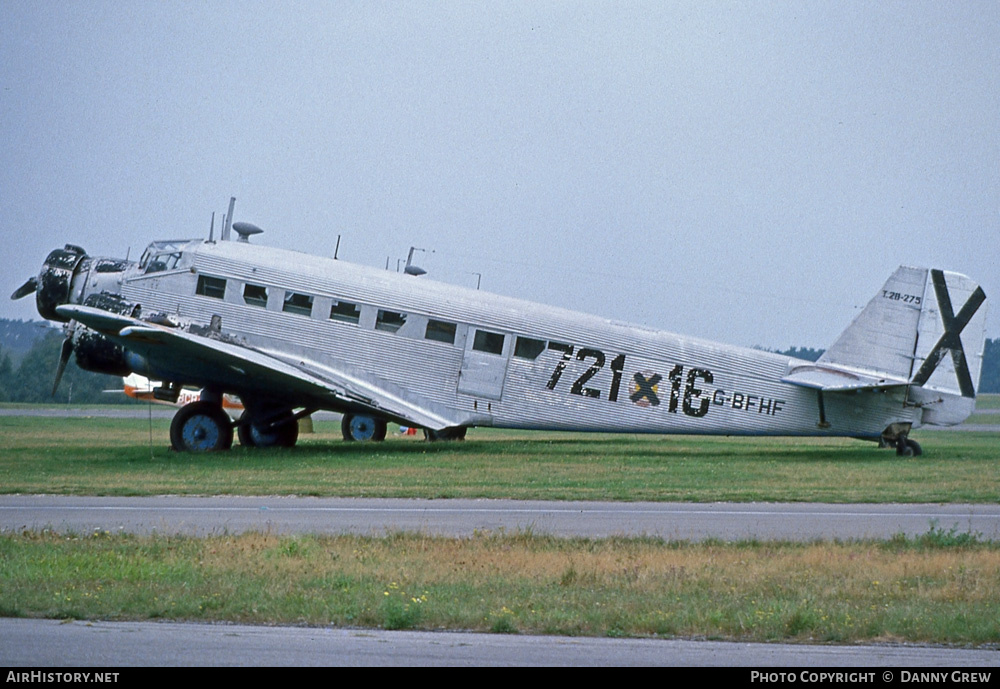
(101, 456)
(942, 587)
(928, 590)
(988, 401)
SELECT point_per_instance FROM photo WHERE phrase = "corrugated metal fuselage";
(533, 366)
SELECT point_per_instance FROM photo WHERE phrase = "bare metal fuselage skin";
(476, 359)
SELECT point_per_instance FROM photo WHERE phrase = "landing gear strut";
(898, 436)
(201, 427)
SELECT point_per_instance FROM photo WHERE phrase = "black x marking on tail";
(951, 341)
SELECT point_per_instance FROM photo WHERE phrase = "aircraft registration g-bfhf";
(291, 333)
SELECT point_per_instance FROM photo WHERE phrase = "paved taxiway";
(676, 521)
(115, 645)
(48, 643)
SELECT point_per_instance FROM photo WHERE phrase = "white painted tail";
(925, 327)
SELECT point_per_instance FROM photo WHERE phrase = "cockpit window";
(161, 262)
(165, 255)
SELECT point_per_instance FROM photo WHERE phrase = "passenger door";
(484, 364)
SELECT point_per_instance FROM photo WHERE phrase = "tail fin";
(926, 327)
(882, 339)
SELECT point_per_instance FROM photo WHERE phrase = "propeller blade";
(25, 289)
(67, 349)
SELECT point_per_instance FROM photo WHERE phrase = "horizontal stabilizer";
(838, 380)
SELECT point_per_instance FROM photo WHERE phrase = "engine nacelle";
(95, 352)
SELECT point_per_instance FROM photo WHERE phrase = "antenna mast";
(227, 228)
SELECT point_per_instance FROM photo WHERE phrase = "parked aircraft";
(290, 333)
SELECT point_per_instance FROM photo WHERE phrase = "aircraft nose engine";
(54, 284)
(62, 281)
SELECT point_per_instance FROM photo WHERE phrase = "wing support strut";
(823, 423)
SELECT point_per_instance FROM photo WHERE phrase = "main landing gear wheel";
(908, 448)
(361, 427)
(201, 427)
(445, 434)
(283, 435)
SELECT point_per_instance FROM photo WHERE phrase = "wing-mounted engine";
(94, 351)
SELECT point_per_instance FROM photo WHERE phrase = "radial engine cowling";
(55, 283)
(95, 352)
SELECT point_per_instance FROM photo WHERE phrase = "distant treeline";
(31, 380)
(29, 356)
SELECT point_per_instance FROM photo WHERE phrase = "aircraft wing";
(835, 379)
(236, 367)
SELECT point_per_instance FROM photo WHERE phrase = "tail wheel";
(908, 448)
(361, 427)
(201, 427)
(253, 435)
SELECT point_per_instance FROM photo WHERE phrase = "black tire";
(201, 427)
(251, 435)
(363, 428)
(908, 448)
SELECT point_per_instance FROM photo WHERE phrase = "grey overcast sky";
(749, 172)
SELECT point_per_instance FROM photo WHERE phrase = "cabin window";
(211, 287)
(440, 331)
(301, 304)
(255, 295)
(389, 321)
(526, 348)
(485, 341)
(345, 311)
